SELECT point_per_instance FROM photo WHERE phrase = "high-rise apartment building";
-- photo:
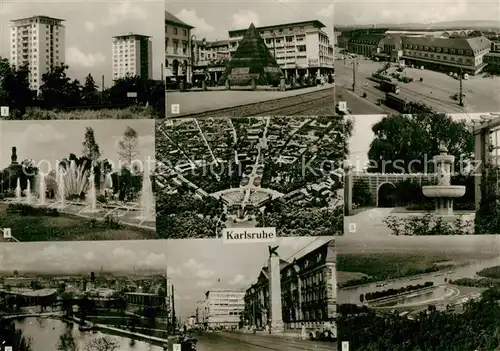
(133, 56)
(38, 41)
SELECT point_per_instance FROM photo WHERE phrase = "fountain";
(42, 188)
(28, 192)
(18, 190)
(444, 192)
(61, 187)
(146, 201)
(92, 197)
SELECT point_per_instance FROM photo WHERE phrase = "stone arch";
(384, 192)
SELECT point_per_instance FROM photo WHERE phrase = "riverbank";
(121, 332)
(403, 294)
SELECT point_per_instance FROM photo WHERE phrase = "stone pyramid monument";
(252, 60)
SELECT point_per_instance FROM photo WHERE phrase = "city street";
(226, 341)
(481, 94)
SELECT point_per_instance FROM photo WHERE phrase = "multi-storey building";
(492, 59)
(299, 48)
(38, 41)
(178, 47)
(224, 308)
(200, 312)
(308, 291)
(211, 57)
(132, 56)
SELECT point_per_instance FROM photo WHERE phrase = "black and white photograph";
(261, 296)
(219, 174)
(77, 180)
(88, 296)
(418, 293)
(415, 56)
(260, 58)
(421, 174)
(82, 60)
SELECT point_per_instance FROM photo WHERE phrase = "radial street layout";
(481, 94)
(225, 341)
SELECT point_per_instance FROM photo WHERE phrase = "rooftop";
(476, 43)
(38, 17)
(171, 19)
(315, 23)
(132, 35)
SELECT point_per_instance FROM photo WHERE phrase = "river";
(351, 294)
(45, 334)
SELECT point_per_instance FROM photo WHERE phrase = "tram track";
(288, 106)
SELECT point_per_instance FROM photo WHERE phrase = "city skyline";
(210, 24)
(193, 275)
(85, 256)
(52, 141)
(86, 21)
(375, 12)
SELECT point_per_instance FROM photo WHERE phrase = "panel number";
(352, 227)
(7, 234)
(345, 345)
(175, 108)
(342, 106)
(4, 111)
(177, 347)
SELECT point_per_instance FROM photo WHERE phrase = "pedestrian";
(303, 334)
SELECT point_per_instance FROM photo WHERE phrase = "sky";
(51, 141)
(83, 256)
(213, 19)
(194, 266)
(90, 26)
(410, 11)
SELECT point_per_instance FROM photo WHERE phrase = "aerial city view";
(220, 173)
(77, 180)
(428, 293)
(445, 56)
(106, 296)
(424, 174)
(249, 59)
(256, 297)
(84, 61)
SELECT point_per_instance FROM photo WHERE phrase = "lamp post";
(193, 38)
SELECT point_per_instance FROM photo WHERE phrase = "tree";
(89, 91)
(57, 89)
(90, 146)
(104, 343)
(128, 147)
(66, 341)
(414, 140)
(15, 89)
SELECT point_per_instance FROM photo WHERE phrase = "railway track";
(296, 105)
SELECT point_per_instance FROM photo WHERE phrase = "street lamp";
(193, 38)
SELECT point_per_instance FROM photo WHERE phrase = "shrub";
(429, 224)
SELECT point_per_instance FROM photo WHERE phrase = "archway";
(184, 67)
(386, 195)
(175, 67)
(166, 63)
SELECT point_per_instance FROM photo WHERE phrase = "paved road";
(359, 105)
(226, 341)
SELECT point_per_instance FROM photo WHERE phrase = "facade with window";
(178, 47)
(365, 44)
(447, 54)
(299, 48)
(308, 291)
(211, 57)
(492, 59)
(132, 56)
(38, 41)
(223, 308)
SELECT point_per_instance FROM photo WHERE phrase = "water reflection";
(45, 334)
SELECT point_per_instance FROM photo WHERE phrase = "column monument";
(275, 311)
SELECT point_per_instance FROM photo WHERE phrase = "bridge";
(379, 182)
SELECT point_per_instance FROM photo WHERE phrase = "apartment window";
(184, 32)
(175, 30)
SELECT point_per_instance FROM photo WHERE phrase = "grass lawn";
(65, 228)
(135, 112)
